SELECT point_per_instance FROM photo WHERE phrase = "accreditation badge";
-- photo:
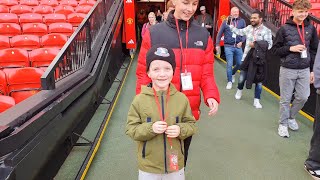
(172, 155)
(202, 24)
(304, 53)
(186, 81)
(234, 35)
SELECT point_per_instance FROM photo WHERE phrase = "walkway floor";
(239, 143)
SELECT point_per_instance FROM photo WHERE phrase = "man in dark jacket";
(296, 43)
(232, 44)
(312, 164)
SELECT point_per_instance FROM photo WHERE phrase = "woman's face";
(185, 9)
(152, 18)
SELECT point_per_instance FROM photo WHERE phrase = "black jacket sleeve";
(313, 47)
(278, 47)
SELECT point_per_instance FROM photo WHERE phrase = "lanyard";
(254, 34)
(235, 23)
(301, 34)
(159, 108)
(180, 41)
(203, 18)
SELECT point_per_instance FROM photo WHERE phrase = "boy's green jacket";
(152, 147)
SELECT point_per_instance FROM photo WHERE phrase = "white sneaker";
(293, 125)
(233, 78)
(256, 103)
(283, 131)
(229, 85)
(238, 94)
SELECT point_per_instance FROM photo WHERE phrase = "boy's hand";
(297, 48)
(173, 131)
(159, 127)
(213, 105)
(311, 78)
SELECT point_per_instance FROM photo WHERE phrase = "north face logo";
(198, 43)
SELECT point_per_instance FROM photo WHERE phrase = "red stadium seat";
(6, 102)
(9, 2)
(55, 40)
(83, 9)
(87, 2)
(20, 9)
(14, 57)
(10, 29)
(4, 42)
(30, 18)
(3, 83)
(9, 18)
(23, 82)
(52, 3)
(38, 29)
(28, 42)
(64, 9)
(4, 9)
(42, 57)
(43, 9)
(54, 18)
(76, 18)
(29, 2)
(72, 3)
(64, 28)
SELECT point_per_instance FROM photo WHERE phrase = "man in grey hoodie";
(312, 164)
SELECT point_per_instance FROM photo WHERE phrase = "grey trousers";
(179, 175)
(290, 80)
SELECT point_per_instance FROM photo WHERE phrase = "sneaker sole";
(313, 177)
(293, 129)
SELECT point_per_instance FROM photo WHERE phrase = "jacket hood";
(147, 90)
(171, 21)
(290, 21)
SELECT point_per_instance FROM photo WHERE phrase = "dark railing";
(76, 51)
(277, 11)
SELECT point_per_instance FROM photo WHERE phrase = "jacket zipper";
(164, 138)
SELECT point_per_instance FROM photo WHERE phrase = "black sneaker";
(315, 174)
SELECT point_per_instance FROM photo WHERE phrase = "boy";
(159, 119)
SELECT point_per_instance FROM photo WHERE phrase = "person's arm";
(141, 71)
(144, 27)
(316, 70)
(210, 21)
(208, 83)
(313, 47)
(188, 123)
(219, 35)
(241, 32)
(278, 47)
(243, 40)
(268, 38)
(135, 128)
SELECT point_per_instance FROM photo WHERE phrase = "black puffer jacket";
(288, 36)
(255, 63)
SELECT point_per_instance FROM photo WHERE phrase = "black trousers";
(187, 143)
(313, 161)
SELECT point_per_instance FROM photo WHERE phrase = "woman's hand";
(213, 105)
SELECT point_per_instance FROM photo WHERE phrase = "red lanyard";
(254, 35)
(301, 35)
(159, 108)
(180, 41)
(203, 18)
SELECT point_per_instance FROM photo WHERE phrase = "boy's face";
(161, 73)
(184, 9)
(300, 14)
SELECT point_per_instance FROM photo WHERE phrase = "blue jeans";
(231, 52)
(242, 80)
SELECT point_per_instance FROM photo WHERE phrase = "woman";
(152, 21)
(194, 61)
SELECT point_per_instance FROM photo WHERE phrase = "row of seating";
(45, 9)
(16, 57)
(40, 29)
(19, 83)
(47, 2)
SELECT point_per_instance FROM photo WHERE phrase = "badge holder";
(202, 24)
(172, 156)
(186, 81)
(304, 54)
(234, 35)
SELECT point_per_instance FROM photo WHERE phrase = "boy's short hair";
(301, 4)
(160, 52)
(256, 11)
(170, 4)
